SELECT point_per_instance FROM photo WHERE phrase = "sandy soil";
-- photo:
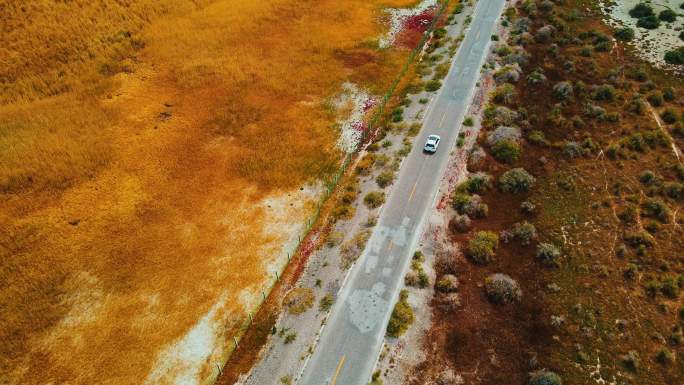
(650, 44)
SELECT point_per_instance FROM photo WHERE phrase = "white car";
(432, 143)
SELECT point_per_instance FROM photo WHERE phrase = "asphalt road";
(352, 339)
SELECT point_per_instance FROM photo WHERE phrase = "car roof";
(433, 137)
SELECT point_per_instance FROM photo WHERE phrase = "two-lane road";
(351, 340)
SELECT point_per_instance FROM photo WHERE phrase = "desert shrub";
(675, 56)
(546, 6)
(664, 356)
(604, 92)
(411, 279)
(508, 74)
(648, 22)
(326, 302)
(343, 211)
(501, 115)
(402, 316)
(482, 247)
(460, 223)
(638, 238)
(655, 138)
(656, 208)
(631, 361)
(470, 204)
(655, 98)
(594, 111)
(423, 279)
(365, 165)
(536, 77)
(525, 232)
(563, 90)
(630, 271)
(544, 377)
(290, 337)
(669, 94)
(516, 181)
(548, 254)
(299, 300)
(636, 142)
(503, 133)
(447, 284)
(385, 178)
(674, 190)
(537, 137)
(544, 33)
(397, 115)
(641, 10)
(648, 177)
(669, 116)
(506, 151)
(670, 286)
(374, 199)
(573, 150)
(460, 201)
(502, 289)
(468, 121)
(477, 182)
(586, 51)
(624, 34)
(504, 94)
(667, 15)
(433, 85)
(637, 105)
(629, 215)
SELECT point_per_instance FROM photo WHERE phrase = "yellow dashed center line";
(443, 117)
(413, 190)
(337, 372)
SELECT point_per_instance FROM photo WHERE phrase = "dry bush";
(299, 300)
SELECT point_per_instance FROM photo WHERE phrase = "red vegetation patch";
(414, 27)
(354, 58)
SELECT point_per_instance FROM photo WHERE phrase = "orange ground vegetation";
(138, 140)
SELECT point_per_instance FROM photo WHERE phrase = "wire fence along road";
(352, 338)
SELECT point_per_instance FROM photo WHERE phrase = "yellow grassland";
(138, 141)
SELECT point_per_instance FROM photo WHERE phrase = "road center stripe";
(337, 372)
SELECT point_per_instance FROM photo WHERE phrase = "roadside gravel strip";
(352, 338)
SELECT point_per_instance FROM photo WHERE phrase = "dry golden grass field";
(151, 159)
